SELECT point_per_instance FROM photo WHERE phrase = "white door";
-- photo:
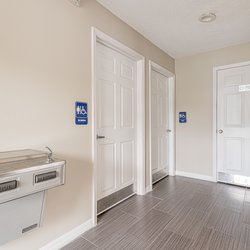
(159, 122)
(233, 125)
(116, 128)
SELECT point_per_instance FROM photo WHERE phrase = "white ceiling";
(174, 27)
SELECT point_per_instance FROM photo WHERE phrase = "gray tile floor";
(180, 213)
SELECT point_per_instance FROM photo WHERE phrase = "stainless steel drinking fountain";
(25, 177)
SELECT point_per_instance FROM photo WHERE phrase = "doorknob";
(100, 137)
(220, 131)
(169, 130)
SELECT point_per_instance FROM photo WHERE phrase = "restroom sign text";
(81, 113)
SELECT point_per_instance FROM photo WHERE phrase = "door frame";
(171, 76)
(100, 37)
(215, 98)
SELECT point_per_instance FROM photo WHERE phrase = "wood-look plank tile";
(150, 226)
(104, 234)
(128, 242)
(168, 181)
(224, 220)
(161, 192)
(110, 215)
(166, 188)
(178, 242)
(180, 213)
(245, 236)
(139, 206)
(188, 180)
(169, 240)
(191, 187)
(202, 201)
(247, 195)
(221, 241)
(231, 189)
(202, 186)
(174, 203)
(202, 240)
(188, 223)
(210, 188)
(160, 240)
(207, 188)
(246, 213)
(212, 239)
(80, 244)
(105, 240)
(233, 201)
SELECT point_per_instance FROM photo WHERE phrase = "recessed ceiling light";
(207, 17)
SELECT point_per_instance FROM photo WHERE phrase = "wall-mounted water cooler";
(25, 176)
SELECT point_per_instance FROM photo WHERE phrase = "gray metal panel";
(25, 165)
(238, 180)
(24, 172)
(109, 201)
(20, 155)
(20, 216)
(159, 175)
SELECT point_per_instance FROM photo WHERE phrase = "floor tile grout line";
(125, 231)
(159, 232)
(223, 232)
(147, 195)
(90, 242)
(156, 236)
(143, 215)
(108, 220)
(103, 230)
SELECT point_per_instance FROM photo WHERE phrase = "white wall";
(194, 94)
(45, 66)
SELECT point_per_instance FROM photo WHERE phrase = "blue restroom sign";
(182, 117)
(81, 113)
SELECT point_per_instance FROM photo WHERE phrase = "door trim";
(171, 76)
(215, 87)
(100, 37)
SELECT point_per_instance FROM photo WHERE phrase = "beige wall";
(194, 94)
(45, 66)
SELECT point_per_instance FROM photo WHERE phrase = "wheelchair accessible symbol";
(81, 113)
(182, 117)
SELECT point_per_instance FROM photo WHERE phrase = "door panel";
(247, 113)
(116, 88)
(159, 122)
(233, 125)
(233, 154)
(154, 152)
(107, 104)
(107, 155)
(127, 163)
(164, 151)
(247, 155)
(127, 107)
(127, 71)
(233, 110)
(106, 63)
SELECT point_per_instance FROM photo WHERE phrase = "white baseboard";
(195, 176)
(69, 236)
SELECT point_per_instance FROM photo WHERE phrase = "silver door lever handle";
(100, 137)
(169, 130)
